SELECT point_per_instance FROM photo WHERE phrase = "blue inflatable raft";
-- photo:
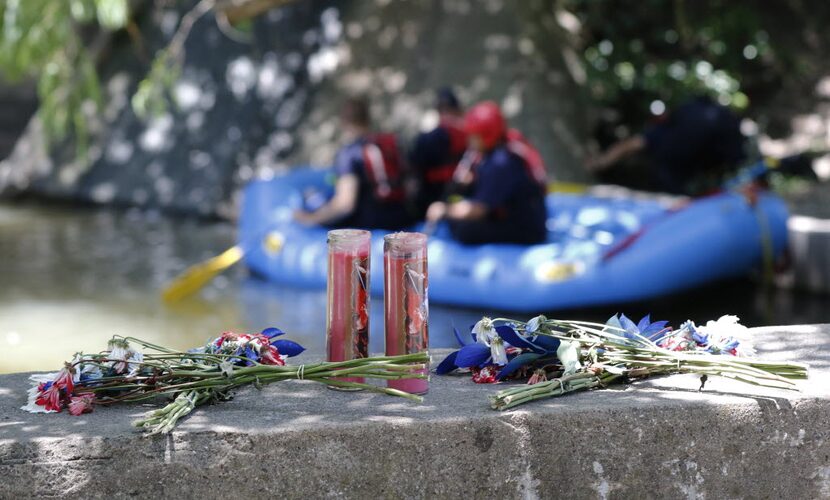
(599, 250)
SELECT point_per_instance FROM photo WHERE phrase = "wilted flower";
(81, 404)
(568, 354)
(486, 375)
(539, 375)
(534, 324)
(118, 355)
(271, 356)
(49, 396)
(497, 351)
(484, 331)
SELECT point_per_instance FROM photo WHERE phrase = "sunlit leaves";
(41, 39)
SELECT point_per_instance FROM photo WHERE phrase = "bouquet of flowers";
(559, 357)
(206, 374)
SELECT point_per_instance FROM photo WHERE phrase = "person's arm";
(616, 152)
(460, 210)
(341, 204)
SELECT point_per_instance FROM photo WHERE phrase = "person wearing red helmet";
(506, 202)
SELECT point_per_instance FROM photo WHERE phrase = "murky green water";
(70, 278)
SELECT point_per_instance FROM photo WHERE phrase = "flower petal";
(644, 323)
(627, 324)
(510, 336)
(272, 332)
(516, 363)
(447, 365)
(287, 347)
(568, 354)
(547, 343)
(472, 355)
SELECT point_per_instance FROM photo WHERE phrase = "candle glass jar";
(406, 303)
(347, 312)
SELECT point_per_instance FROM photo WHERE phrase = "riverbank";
(302, 440)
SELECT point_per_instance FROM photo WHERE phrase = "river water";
(71, 277)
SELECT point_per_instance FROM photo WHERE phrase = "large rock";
(655, 439)
(253, 109)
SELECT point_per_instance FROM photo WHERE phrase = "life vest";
(517, 144)
(442, 174)
(384, 168)
(534, 164)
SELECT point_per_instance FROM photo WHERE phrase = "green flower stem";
(510, 398)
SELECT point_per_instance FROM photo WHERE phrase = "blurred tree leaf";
(41, 39)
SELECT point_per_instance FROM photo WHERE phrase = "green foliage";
(152, 96)
(42, 39)
(641, 56)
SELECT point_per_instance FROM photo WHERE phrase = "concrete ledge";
(659, 438)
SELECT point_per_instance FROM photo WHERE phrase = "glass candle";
(406, 306)
(347, 313)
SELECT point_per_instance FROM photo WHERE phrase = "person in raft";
(506, 175)
(435, 154)
(368, 191)
(690, 150)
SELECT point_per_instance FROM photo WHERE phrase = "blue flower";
(272, 332)
(653, 331)
(500, 345)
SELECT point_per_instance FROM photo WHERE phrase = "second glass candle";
(406, 306)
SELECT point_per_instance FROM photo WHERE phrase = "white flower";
(568, 354)
(725, 326)
(118, 358)
(33, 392)
(136, 358)
(498, 351)
(484, 331)
(725, 331)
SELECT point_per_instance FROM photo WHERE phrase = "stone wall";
(257, 106)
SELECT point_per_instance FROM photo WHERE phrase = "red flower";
(81, 404)
(64, 380)
(49, 397)
(271, 356)
(486, 375)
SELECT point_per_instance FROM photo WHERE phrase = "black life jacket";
(442, 174)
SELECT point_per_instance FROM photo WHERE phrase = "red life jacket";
(384, 167)
(517, 144)
(534, 164)
(442, 174)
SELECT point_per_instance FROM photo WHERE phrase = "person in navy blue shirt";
(435, 154)
(506, 203)
(690, 150)
(365, 194)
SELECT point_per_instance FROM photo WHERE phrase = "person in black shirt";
(690, 150)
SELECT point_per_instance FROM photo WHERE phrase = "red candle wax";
(347, 315)
(406, 303)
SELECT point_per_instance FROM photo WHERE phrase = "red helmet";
(486, 121)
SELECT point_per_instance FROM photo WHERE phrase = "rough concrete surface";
(653, 439)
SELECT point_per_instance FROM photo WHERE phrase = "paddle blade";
(198, 275)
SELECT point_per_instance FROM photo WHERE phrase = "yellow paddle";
(198, 275)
